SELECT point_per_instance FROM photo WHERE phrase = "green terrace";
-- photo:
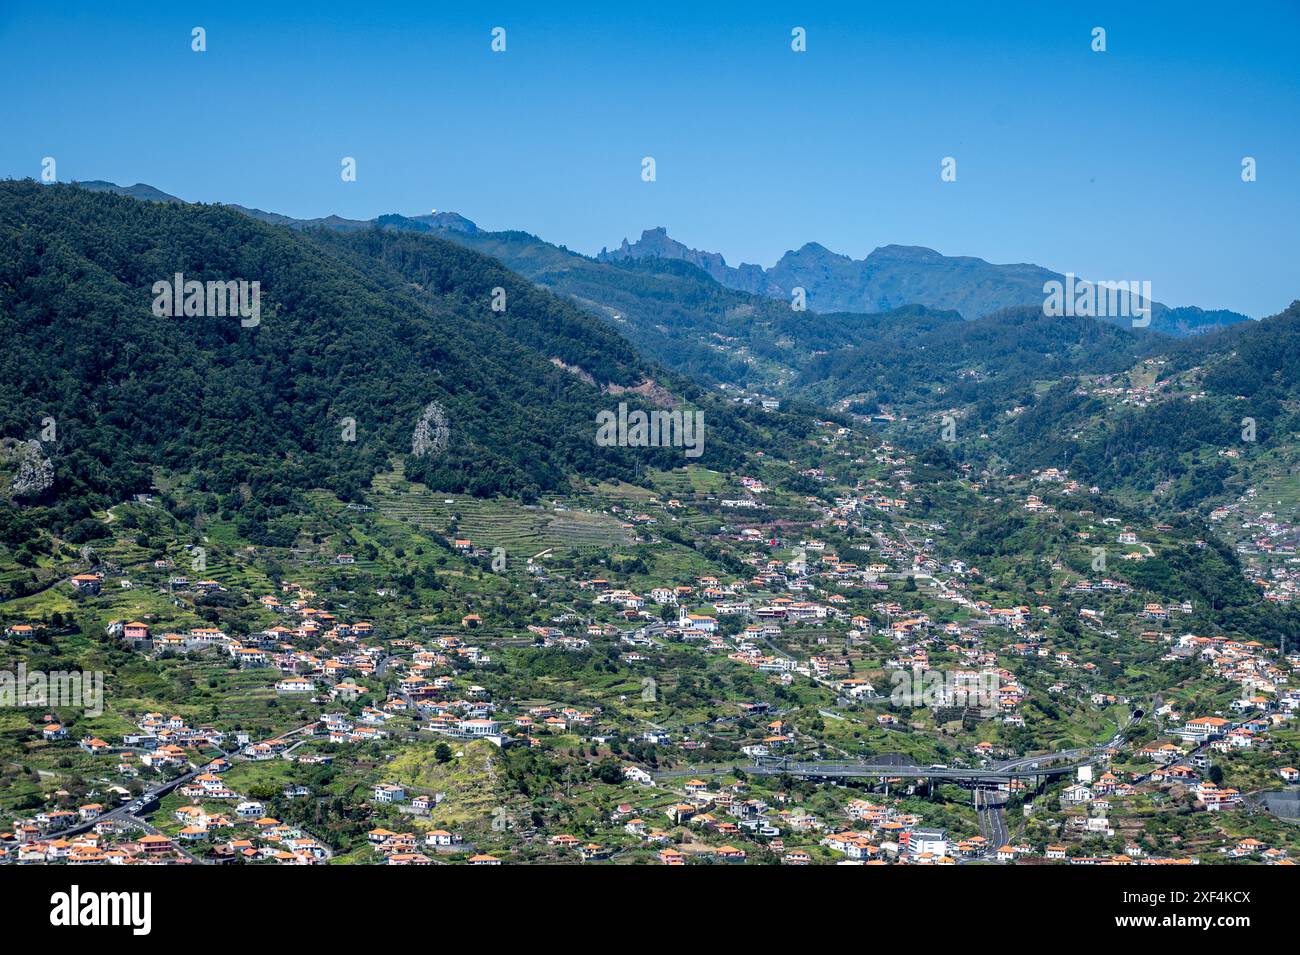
(522, 530)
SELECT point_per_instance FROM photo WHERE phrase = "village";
(724, 715)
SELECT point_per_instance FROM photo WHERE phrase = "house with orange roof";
(155, 845)
(1203, 728)
(88, 583)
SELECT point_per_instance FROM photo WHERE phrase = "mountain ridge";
(894, 275)
(891, 276)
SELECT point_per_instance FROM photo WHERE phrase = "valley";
(365, 586)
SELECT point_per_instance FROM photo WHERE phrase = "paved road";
(123, 815)
(992, 819)
(995, 818)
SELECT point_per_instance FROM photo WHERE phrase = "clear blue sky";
(1115, 165)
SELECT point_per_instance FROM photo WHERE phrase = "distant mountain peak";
(895, 276)
(656, 243)
(140, 190)
(812, 250)
(449, 221)
(919, 253)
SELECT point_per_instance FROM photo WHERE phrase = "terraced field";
(686, 482)
(521, 530)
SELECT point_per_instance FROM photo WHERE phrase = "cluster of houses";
(107, 843)
(408, 848)
(329, 660)
(266, 839)
(1269, 547)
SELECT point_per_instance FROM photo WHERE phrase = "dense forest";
(373, 328)
(1250, 371)
(993, 359)
(1020, 381)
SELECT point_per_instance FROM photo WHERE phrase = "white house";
(700, 623)
(933, 841)
(389, 792)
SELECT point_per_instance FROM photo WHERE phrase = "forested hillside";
(1161, 417)
(677, 314)
(372, 329)
(1235, 391)
(993, 359)
(1035, 386)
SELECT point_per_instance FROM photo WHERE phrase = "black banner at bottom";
(170, 904)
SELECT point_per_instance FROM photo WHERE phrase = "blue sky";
(1117, 165)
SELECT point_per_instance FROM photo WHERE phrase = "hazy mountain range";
(891, 277)
(894, 276)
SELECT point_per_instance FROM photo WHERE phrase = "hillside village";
(691, 694)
